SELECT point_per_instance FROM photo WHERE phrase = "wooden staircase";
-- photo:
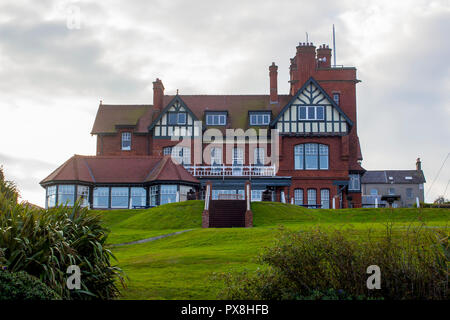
(227, 213)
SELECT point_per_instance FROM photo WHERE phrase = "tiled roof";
(393, 176)
(110, 116)
(237, 106)
(116, 169)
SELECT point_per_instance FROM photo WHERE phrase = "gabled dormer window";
(259, 118)
(176, 118)
(311, 113)
(126, 140)
(216, 119)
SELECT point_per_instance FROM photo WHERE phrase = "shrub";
(329, 265)
(44, 243)
(22, 286)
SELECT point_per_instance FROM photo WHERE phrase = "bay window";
(101, 197)
(51, 197)
(66, 194)
(119, 197)
(138, 197)
(83, 195)
(354, 182)
(168, 194)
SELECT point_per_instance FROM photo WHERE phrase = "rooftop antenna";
(334, 47)
(307, 37)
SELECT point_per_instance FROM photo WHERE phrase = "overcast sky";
(53, 74)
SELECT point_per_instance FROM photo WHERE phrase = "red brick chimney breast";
(158, 94)
(273, 74)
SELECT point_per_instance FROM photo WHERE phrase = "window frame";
(307, 109)
(351, 182)
(309, 200)
(299, 195)
(107, 196)
(221, 118)
(300, 156)
(265, 117)
(120, 196)
(322, 200)
(124, 147)
(177, 121)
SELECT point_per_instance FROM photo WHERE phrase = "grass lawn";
(181, 266)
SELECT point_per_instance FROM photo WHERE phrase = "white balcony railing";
(233, 171)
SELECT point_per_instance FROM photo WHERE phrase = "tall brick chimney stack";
(273, 74)
(305, 62)
(158, 94)
(324, 57)
(418, 164)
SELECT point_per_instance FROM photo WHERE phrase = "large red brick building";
(310, 155)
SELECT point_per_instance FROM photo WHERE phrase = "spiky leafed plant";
(45, 242)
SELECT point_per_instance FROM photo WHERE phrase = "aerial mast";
(334, 47)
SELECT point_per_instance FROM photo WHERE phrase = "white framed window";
(312, 198)
(119, 197)
(298, 197)
(311, 156)
(216, 119)
(311, 113)
(181, 155)
(66, 194)
(257, 195)
(168, 193)
(325, 198)
(216, 156)
(83, 195)
(391, 191)
(101, 197)
(138, 197)
(259, 119)
(154, 196)
(51, 196)
(259, 156)
(238, 161)
(354, 182)
(176, 118)
(126, 140)
(299, 157)
(167, 151)
(184, 190)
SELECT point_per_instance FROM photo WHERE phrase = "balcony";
(231, 171)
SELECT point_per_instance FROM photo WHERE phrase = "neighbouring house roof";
(109, 117)
(393, 177)
(116, 169)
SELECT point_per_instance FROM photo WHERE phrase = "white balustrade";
(236, 171)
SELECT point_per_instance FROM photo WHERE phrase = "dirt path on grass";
(151, 239)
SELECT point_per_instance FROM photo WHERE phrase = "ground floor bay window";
(66, 194)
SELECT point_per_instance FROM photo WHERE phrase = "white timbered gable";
(312, 111)
(175, 120)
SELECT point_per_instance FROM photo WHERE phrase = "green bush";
(329, 265)
(21, 286)
(44, 243)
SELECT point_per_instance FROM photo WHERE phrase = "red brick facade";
(344, 150)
